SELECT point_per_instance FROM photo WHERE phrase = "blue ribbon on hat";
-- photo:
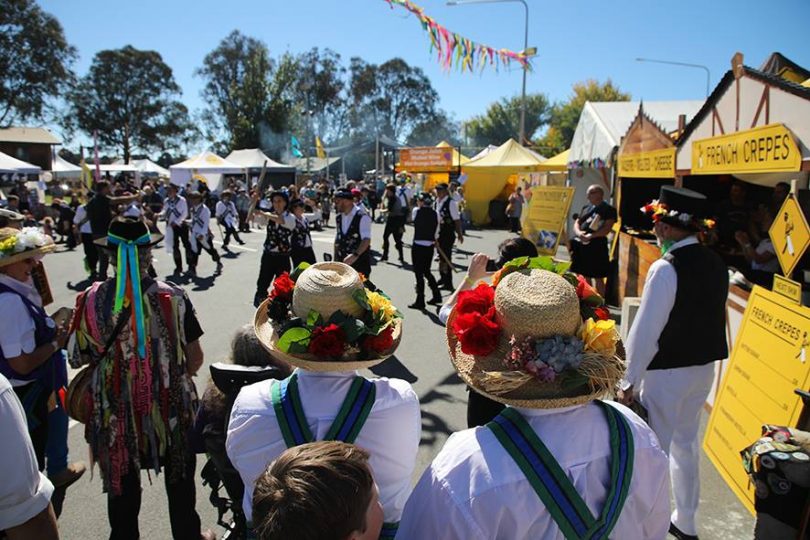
(129, 268)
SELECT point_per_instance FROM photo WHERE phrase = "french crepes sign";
(770, 148)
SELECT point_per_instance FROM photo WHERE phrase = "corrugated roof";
(34, 135)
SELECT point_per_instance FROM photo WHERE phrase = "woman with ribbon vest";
(139, 338)
(328, 323)
(31, 352)
(277, 246)
(300, 239)
(200, 235)
(353, 235)
(678, 334)
(557, 462)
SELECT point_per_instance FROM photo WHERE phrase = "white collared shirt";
(657, 299)
(474, 490)
(176, 210)
(17, 330)
(391, 433)
(365, 223)
(200, 219)
(81, 215)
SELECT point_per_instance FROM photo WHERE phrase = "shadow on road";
(79, 286)
(393, 368)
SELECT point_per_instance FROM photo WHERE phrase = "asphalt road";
(224, 303)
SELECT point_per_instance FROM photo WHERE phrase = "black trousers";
(102, 257)
(90, 252)
(180, 235)
(34, 398)
(230, 231)
(446, 240)
(422, 258)
(481, 409)
(123, 510)
(272, 265)
(514, 224)
(363, 263)
(194, 256)
(394, 225)
(304, 254)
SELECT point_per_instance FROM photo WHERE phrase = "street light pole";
(522, 136)
(683, 64)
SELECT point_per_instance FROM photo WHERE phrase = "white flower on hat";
(31, 238)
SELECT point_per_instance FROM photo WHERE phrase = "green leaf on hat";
(294, 340)
(570, 379)
(298, 269)
(359, 296)
(314, 318)
(353, 328)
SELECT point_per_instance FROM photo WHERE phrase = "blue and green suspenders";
(347, 424)
(552, 485)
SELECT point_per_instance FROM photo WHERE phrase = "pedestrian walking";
(353, 235)
(514, 209)
(82, 223)
(228, 217)
(276, 253)
(425, 230)
(449, 231)
(200, 235)
(589, 246)
(397, 209)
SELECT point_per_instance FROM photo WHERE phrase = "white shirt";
(200, 219)
(766, 246)
(474, 490)
(17, 330)
(81, 215)
(454, 214)
(176, 210)
(657, 299)
(133, 211)
(391, 433)
(435, 234)
(226, 212)
(365, 223)
(24, 491)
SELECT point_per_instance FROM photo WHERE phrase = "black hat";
(425, 197)
(131, 230)
(442, 185)
(282, 194)
(296, 203)
(678, 207)
(344, 193)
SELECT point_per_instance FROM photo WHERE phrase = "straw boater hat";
(536, 304)
(326, 288)
(20, 244)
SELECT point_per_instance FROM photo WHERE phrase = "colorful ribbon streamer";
(128, 272)
(453, 49)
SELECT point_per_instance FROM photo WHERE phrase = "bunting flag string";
(453, 49)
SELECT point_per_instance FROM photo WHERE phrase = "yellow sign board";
(769, 361)
(770, 148)
(790, 234)
(652, 164)
(548, 212)
(787, 288)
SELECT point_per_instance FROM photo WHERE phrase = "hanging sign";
(790, 234)
(770, 148)
(771, 358)
(787, 288)
(548, 212)
(651, 164)
(426, 159)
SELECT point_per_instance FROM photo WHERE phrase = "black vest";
(349, 242)
(300, 234)
(695, 333)
(278, 238)
(424, 224)
(446, 217)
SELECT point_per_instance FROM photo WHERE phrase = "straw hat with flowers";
(17, 245)
(325, 317)
(539, 338)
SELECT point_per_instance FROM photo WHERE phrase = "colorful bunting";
(453, 49)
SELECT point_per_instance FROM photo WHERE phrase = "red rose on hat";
(327, 341)
(478, 300)
(381, 342)
(283, 287)
(587, 294)
(477, 333)
(602, 313)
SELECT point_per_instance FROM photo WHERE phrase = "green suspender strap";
(350, 419)
(552, 485)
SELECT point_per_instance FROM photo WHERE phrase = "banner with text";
(426, 159)
(768, 363)
(770, 148)
(548, 212)
(652, 164)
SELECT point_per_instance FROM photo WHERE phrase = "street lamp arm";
(686, 64)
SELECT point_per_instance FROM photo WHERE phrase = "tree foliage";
(565, 115)
(35, 61)
(501, 121)
(320, 93)
(430, 132)
(130, 98)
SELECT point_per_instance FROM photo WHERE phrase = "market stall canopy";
(314, 165)
(11, 165)
(459, 159)
(602, 125)
(558, 163)
(114, 168)
(149, 167)
(207, 165)
(508, 155)
(253, 158)
(63, 168)
(484, 152)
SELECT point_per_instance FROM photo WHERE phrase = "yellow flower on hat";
(8, 245)
(599, 336)
(379, 304)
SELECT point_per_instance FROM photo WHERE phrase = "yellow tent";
(557, 163)
(431, 179)
(488, 175)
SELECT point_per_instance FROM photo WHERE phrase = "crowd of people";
(311, 448)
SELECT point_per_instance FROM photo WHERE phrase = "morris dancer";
(449, 230)
(175, 212)
(301, 240)
(228, 217)
(353, 235)
(276, 255)
(200, 235)
(425, 226)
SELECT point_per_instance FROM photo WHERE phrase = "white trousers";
(674, 399)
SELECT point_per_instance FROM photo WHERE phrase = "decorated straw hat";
(539, 338)
(20, 244)
(324, 317)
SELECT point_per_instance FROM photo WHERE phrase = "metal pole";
(523, 91)
(684, 64)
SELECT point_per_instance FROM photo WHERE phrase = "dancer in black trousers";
(449, 230)
(425, 226)
(395, 221)
(301, 240)
(276, 255)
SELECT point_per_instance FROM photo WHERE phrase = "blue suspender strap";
(389, 530)
(353, 412)
(289, 412)
(552, 485)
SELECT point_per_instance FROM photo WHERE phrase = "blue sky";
(575, 39)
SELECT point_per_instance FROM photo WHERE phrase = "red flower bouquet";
(381, 342)
(283, 288)
(327, 340)
(477, 300)
(477, 333)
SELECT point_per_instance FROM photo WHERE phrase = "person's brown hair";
(316, 491)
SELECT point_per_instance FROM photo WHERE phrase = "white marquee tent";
(13, 165)
(62, 168)
(149, 167)
(254, 159)
(207, 165)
